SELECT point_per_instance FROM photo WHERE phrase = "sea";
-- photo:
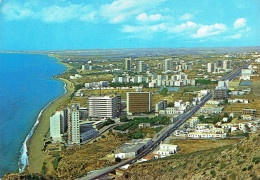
(26, 87)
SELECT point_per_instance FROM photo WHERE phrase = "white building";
(103, 106)
(227, 64)
(247, 117)
(213, 102)
(193, 122)
(57, 126)
(97, 84)
(167, 150)
(204, 126)
(211, 67)
(73, 125)
(201, 135)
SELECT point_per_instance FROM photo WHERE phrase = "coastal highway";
(166, 132)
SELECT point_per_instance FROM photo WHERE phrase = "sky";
(106, 24)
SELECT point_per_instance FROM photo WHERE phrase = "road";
(177, 123)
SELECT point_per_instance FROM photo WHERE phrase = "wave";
(23, 159)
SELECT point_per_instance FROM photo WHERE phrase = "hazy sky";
(88, 24)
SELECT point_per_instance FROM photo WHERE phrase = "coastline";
(32, 156)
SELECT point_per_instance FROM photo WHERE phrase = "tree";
(201, 117)
(225, 114)
(118, 159)
(226, 101)
(164, 91)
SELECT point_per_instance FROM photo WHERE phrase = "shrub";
(199, 165)
(55, 162)
(232, 176)
(222, 165)
(213, 173)
(250, 167)
(44, 168)
(256, 160)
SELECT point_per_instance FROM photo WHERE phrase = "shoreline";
(24, 158)
(31, 155)
(36, 142)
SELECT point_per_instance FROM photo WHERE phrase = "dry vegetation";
(188, 146)
(235, 161)
(78, 160)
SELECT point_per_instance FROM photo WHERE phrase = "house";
(211, 110)
(225, 119)
(167, 150)
(144, 125)
(227, 125)
(150, 157)
(247, 117)
(234, 128)
(193, 122)
(245, 101)
(204, 126)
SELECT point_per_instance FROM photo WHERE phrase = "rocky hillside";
(236, 161)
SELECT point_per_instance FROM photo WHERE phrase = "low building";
(87, 131)
(201, 135)
(167, 150)
(150, 157)
(214, 102)
(247, 117)
(227, 125)
(251, 112)
(171, 111)
(132, 148)
(225, 119)
(246, 101)
(144, 125)
(193, 122)
(211, 110)
(204, 126)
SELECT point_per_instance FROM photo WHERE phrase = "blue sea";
(26, 87)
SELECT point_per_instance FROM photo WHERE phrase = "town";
(147, 104)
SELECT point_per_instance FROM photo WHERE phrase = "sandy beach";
(35, 144)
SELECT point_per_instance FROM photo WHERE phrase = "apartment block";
(104, 106)
(139, 102)
(57, 126)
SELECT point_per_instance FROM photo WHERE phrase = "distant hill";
(144, 52)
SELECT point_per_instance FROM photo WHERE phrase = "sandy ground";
(36, 155)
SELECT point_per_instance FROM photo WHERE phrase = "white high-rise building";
(169, 64)
(103, 107)
(73, 125)
(57, 126)
(211, 67)
(226, 64)
(140, 66)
